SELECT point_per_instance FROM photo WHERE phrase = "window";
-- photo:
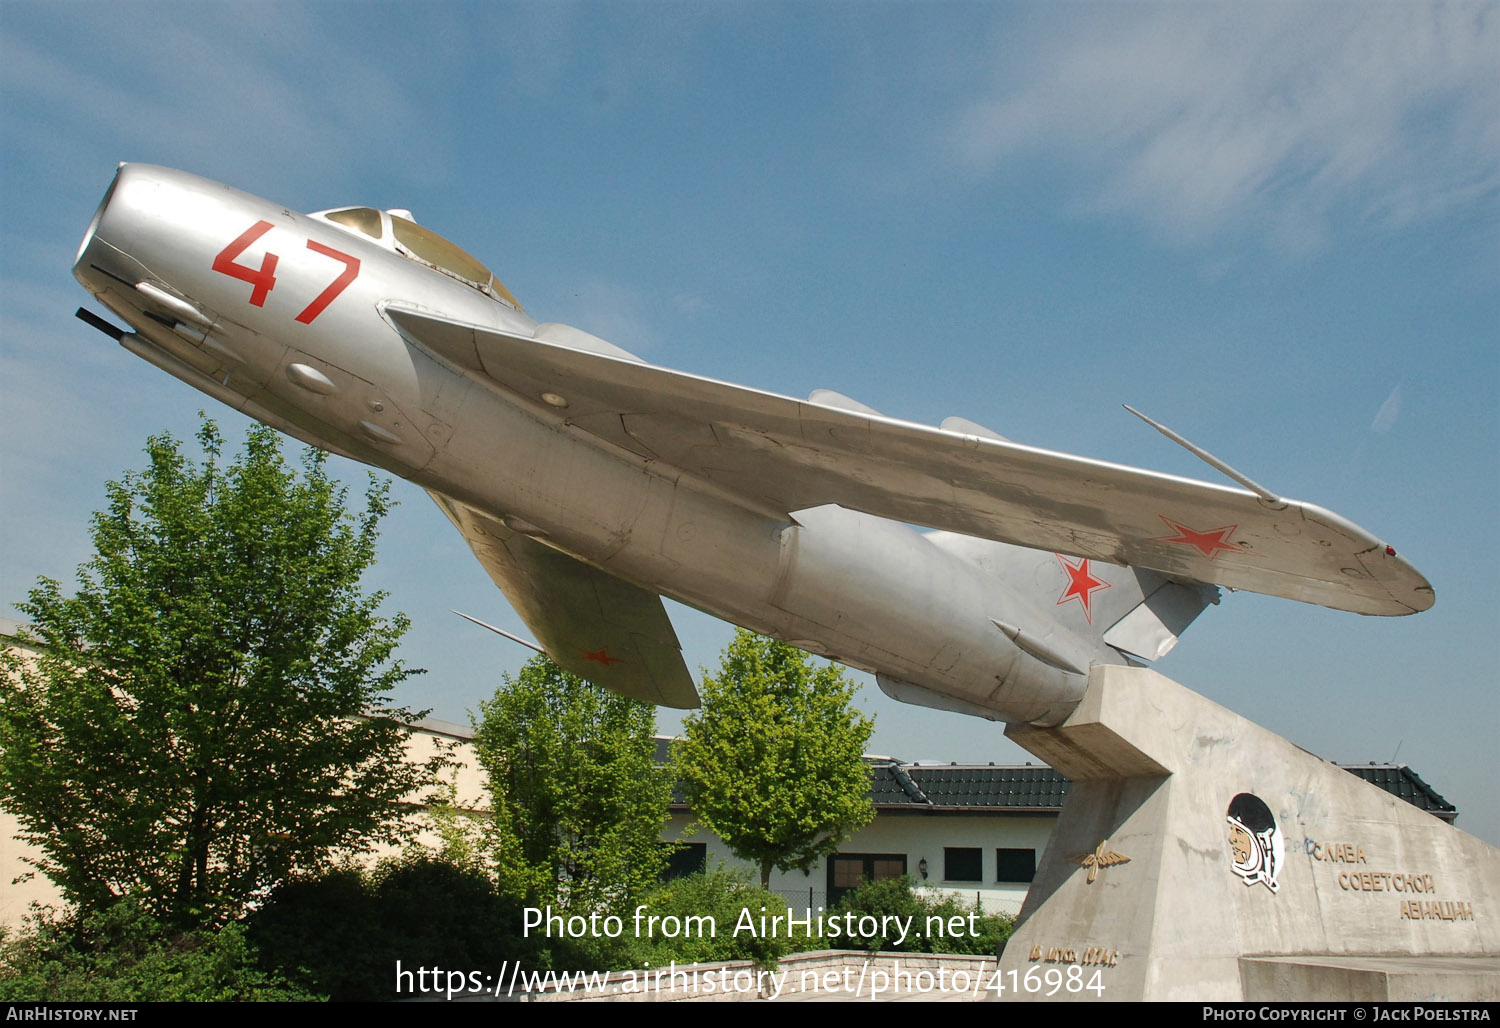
(361, 219)
(963, 864)
(424, 245)
(1015, 865)
(848, 871)
(430, 248)
(686, 858)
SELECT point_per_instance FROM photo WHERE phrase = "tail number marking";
(263, 279)
(323, 299)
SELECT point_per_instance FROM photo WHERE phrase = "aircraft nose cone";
(80, 261)
(129, 251)
(98, 259)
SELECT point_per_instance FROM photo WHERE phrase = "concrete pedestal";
(1201, 857)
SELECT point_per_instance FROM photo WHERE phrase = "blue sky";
(1272, 226)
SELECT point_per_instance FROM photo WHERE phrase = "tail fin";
(1153, 626)
(1139, 614)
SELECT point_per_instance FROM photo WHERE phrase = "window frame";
(1000, 864)
(838, 892)
(963, 853)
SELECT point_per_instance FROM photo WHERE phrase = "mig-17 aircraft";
(590, 484)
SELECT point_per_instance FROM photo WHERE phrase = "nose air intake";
(88, 236)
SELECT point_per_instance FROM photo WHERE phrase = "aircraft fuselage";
(289, 318)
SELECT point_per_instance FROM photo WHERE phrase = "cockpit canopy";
(422, 245)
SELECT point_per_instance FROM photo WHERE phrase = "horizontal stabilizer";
(775, 452)
(1152, 629)
(599, 627)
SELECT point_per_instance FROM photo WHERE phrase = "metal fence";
(798, 899)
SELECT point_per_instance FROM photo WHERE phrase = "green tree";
(416, 911)
(773, 763)
(904, 898)
(724, 895)
(577, 795)
(122, 955)
(208, 714)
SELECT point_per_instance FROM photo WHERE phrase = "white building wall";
(21, 885)
(917, 836)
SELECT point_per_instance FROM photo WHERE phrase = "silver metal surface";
(622, 482)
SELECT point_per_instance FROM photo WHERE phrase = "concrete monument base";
(1201, 857)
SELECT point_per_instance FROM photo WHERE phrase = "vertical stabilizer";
(1137, 613)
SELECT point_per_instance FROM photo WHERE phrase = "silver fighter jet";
(589, 483)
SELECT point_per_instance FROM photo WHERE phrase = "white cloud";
(1389, 411)
(258, 88)
(1288, 118)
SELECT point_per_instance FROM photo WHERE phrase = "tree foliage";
(724, 895)
(892, 901)
(343, 933)
(122, 955)
(207, 714)
(773, 763)
(578, 798)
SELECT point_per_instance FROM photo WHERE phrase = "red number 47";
(263, 279)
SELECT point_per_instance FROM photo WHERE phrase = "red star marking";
(601, 656)
(1208, 543)
(1082, 584)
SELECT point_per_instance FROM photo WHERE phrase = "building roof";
(966, 787)
(992, 788)
(897, 787)
(1401, 781)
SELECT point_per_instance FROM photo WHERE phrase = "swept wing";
(783, 454)
(591, 623)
